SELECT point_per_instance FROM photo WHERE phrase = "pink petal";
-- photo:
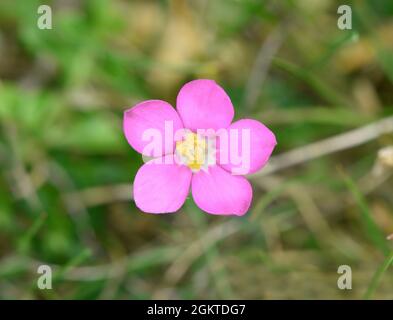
(219, 192)
(149, 118)
(248, 150)
(161, 187)
(203, 104)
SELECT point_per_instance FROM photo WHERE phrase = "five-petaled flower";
(203, 158)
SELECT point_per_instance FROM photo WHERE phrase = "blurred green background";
(67, 170)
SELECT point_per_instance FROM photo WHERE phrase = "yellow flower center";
(192, 151)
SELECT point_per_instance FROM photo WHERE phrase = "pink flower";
(207, 156)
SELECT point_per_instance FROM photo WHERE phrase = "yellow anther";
(192, 150)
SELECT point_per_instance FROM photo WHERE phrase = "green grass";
(65, 164)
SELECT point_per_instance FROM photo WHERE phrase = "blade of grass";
(378, 276)
(329, 94)
(77, 260)
(25, 241)
(371, 228)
